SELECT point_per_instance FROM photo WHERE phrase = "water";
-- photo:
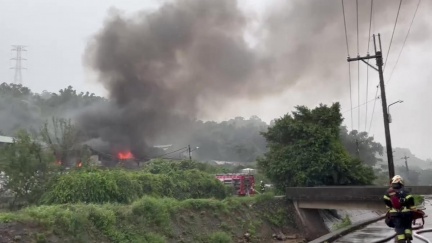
(380, 230)
(354, 215)
(377, 230)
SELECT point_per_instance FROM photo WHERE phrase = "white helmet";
(397, 179)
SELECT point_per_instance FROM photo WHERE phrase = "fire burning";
(125, 155)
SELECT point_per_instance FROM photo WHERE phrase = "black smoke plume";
(190, 58)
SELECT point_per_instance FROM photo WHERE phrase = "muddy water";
(379, 230)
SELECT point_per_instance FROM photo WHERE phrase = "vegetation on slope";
(120, 186)
(164, 202)
(158, 220)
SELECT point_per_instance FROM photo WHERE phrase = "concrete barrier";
(311, 222)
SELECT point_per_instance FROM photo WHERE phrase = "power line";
(367, 68)
(394, 28)
(370, 25)
(184, 148)
(357, 27)
(373, 109)
(406, 37)
(385, 63)
(349, 65)
(367, 102)
(346, 35)
(358, 68)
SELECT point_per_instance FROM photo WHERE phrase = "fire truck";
(243, 184)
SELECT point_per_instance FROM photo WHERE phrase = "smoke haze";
(190, 59)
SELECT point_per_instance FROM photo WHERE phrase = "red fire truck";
(243, 184)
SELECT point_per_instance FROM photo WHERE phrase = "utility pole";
(18, 64)
(190, 157)
(357, 149)
(406, 162)
(379, 62)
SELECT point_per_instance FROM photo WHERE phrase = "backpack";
(395, 198)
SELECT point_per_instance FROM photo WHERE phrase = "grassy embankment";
(120, 206)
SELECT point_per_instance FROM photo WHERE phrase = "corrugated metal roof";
(4, 139)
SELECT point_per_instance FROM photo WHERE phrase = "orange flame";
(58, 162)
(79, 164)
(125, 155)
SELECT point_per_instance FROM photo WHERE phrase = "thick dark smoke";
(162, 68)
(165, 68)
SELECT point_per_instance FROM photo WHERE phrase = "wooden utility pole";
(357, 149)
(379, 62)
(406, 162)
(189, 150)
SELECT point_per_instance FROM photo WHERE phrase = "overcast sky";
(57, 32)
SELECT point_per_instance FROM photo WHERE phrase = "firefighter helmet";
(397, 179)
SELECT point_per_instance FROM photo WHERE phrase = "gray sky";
(56, 33)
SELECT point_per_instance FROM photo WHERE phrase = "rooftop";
(5, 139)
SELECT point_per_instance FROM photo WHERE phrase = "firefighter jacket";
(398, 200)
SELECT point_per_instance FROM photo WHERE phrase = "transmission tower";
(18, 62)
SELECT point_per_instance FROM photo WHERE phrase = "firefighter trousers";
(403, 226)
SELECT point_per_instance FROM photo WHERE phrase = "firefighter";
(262, 187)
(400, 203)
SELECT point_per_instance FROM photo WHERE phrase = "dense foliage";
(306, 150)
(27, 168)
(119, 186)
(157, 220)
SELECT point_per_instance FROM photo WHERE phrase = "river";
(380, 230)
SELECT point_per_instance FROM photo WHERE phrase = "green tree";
(306, 150)
(360, 145)
(27, 168)
(64, 140)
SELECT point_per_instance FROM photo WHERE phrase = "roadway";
(375, 232)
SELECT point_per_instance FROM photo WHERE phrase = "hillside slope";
(155, 220)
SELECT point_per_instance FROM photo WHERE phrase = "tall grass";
(127, 223)
(119, 186)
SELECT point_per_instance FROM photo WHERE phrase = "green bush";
(418, 199)
(152, 210)
(120, 186)
(344, 223)
(220, 237)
